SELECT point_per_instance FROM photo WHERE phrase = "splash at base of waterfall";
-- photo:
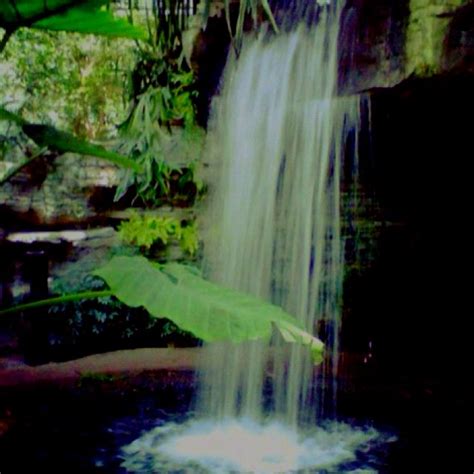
(244, 446)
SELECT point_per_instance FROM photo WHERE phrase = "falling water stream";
(275, 215)
(277, 142)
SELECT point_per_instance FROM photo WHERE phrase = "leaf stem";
(18, 168)
(85, 295)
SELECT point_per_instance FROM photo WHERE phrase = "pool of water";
(152, 431)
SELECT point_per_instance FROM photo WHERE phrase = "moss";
(88, 378)
(426, 30)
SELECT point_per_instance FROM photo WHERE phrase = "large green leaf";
(48, 137)
(210, 312)
(25, 12)
(179, 293)
(294, 334)
(84, 16)
(63, 142)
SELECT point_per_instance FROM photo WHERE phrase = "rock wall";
(385, 42)
(437, 30)
(57, 213)
(55, 193)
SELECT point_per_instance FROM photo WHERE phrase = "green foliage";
(78, 327)
(161, 77)
(85, 16)
(86, 319)
(160, 183)
(426, 34)
(210, 312)
(151, 137)
(48, 137)
(9, 116)
(162, 119)
(188, 239)
(247, 7)
(164, 94)
(87, 378)
(147, 230)
(63, 142)
(75, 82)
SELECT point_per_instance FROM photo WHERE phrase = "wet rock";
(385, 42)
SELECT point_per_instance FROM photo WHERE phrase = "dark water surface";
(84, 430)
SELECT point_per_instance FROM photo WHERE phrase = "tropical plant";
(148, 230)
(210, 312)
(162, 116)
(85, 16)
(79, 327)
(91, 16)
(163, 91)
(171, 291)
(179, 293)
(73, 81)
(151, 138)
(159, 183)
(47, 136)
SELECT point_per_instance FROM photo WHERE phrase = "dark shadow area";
(83, 429)
(411, 309)
(458, 54)
(208, 59)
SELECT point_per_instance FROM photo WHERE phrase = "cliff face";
(388, 41)
(382, 43)
(415, 59)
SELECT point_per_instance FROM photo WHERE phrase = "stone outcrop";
(61, 195)
(382, 43)
(389, 41)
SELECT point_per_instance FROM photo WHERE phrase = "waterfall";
(277, 141)
(277, 144)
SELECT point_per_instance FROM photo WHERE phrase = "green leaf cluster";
(147, 230)
(152, 138)
(167, 96)
(86, 16)
(75, 82)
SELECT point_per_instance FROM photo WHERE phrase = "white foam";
(243, 446)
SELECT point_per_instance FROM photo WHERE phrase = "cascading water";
(278, 137)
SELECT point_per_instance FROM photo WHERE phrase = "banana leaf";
(209, 311)
(179, 293)
(83, 16)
